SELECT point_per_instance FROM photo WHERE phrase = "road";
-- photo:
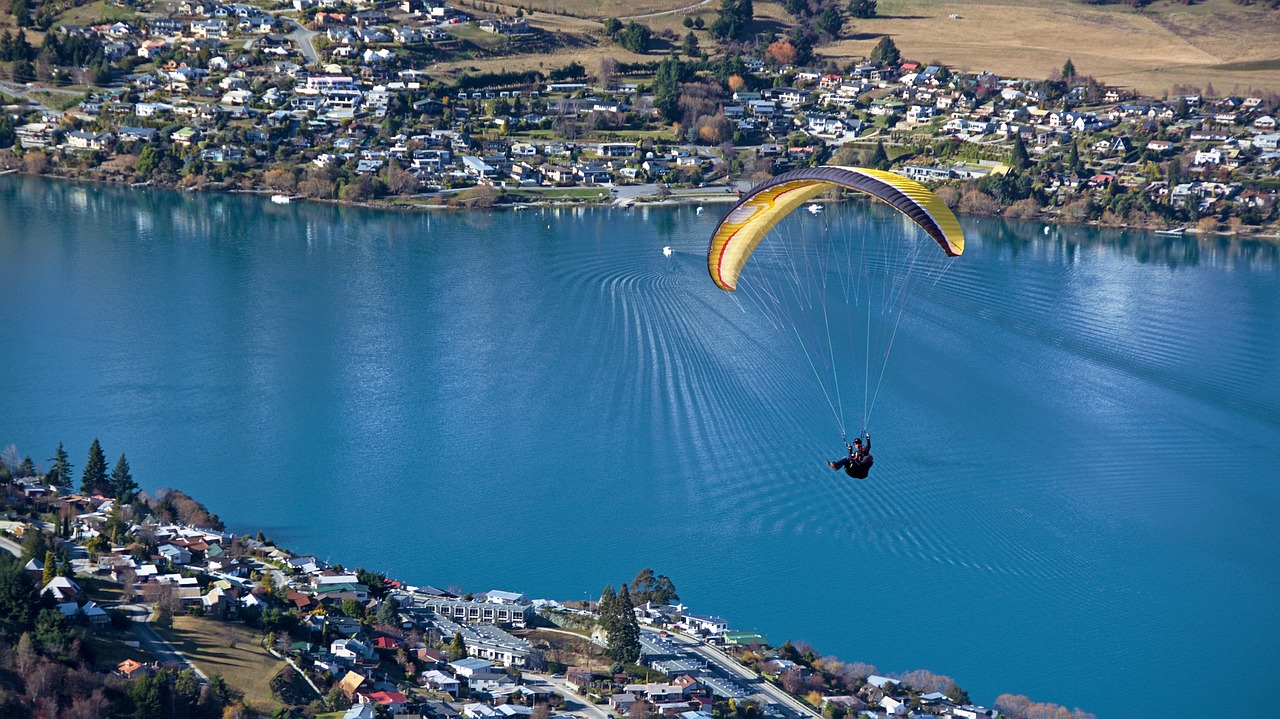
(302, 37)
(18, 90)
(11, 547)
(728, 665)
(572, 701)
(151, 640)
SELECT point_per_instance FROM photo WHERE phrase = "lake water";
(1075, 494)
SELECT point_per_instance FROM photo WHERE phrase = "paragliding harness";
(857, 464)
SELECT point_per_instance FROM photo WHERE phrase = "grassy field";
(247, 668)
(1217, 41)
(1234, 48)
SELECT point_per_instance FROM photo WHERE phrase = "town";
(332, 101)
(156, 611)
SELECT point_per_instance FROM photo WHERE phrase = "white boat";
(699, 209)
(1175, 232)
(281, 199)
(815, 208)
(666, 251)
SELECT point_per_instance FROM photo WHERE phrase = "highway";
(727, 665)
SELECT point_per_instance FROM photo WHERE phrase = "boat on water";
(281, 199)
(1175, 232)
(699, 209)
(815, 208)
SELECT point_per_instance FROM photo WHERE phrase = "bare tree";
(231, 635)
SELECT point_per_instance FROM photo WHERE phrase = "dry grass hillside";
(1234, 48)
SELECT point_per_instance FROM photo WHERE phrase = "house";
(468, 667)
(488, 682)
(130, 669)
(82, 140)
(352, 683)
(441, 682)
(393, 702)
(362, 711)
(61, 589)
(708, 624)
(578, 678)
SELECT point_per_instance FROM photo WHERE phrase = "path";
(684, 9)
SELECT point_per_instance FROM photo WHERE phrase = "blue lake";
(1075, 493)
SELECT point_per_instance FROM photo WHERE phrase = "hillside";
(1152, 50)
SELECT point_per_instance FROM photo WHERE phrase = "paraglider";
(743, 227)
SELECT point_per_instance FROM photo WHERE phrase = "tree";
(1018, 157)
(885, 52)
(94, 478)
(666, 88)
(829, 21)
(781, 52)
(388, 611)
(1068, 70)
(604, 607)
(353, 608)
(690, 45)
(635, 37)
(50, 567)
(123, 488)
(60, 472)
(798, 9)
(1073, 159)
(624, 632)
(880, 158)
(34, 545)
(612, 26)
(457, 648)
(862, 9)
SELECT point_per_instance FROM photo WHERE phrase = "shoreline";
(643, 201)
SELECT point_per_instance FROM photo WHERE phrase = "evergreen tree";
(123, 488)
(624, 635)
(690, 46)
(880, 158)
(94, 478)
(604, 608)
(26, 468)
(862, 9)
(60, 472)
(799, 9)
(1068, 70)
(1018, 157)
(1073, 159)
(666, 88)
(33, 545)
(829, 21)
(457, 648)
(50, 567)
(635, 37)
(388, 611)
(886, 52)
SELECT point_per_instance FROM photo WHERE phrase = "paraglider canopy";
(744, 226)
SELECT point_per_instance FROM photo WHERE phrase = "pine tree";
(60, 472)
(27, 468)
(94, 478)
(624, 635)
(457, 648)
(123, 488)
(604, 608)
(50, 567)
(885, 52)
(1068, 70)
(880, 158)
(1018, 158)
(666, 88)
